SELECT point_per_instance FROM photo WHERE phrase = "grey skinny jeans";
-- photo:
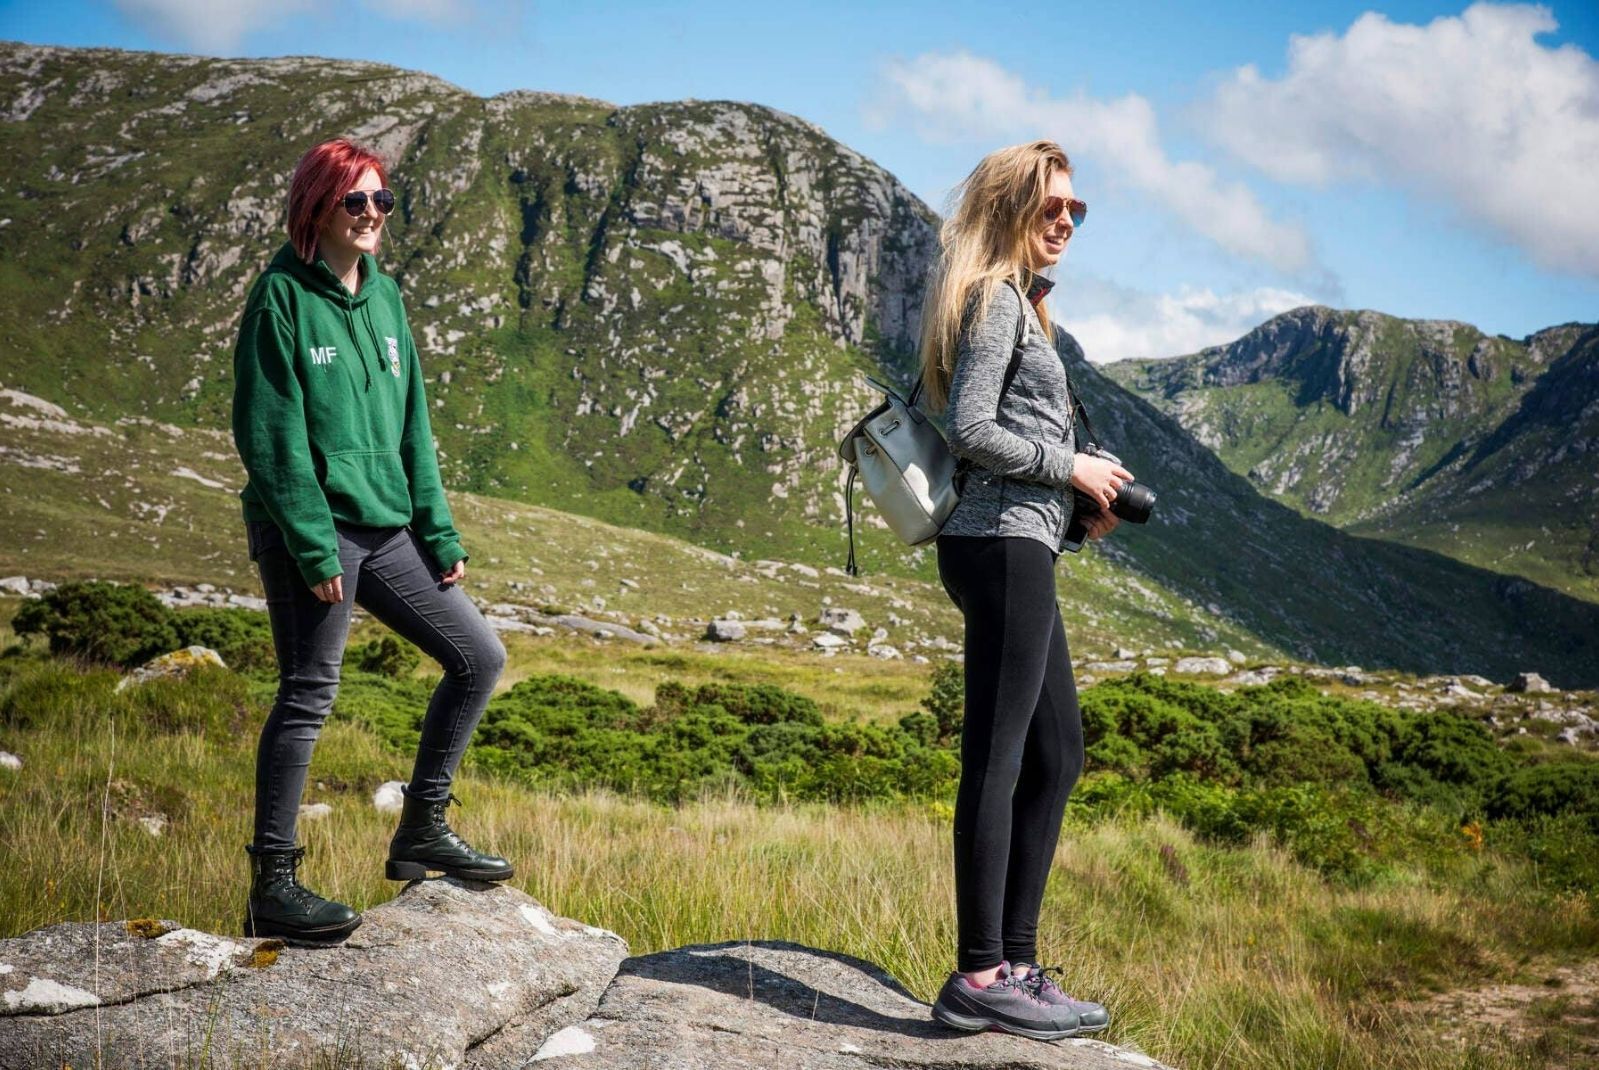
(388, 573)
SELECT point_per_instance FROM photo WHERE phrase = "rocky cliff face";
(650, 314)
(1401, 427)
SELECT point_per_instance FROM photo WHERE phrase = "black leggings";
(1021, 747)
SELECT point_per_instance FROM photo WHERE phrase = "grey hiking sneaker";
(1091, 1017)
(1007, 1005)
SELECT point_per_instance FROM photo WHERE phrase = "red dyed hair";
(321, 179)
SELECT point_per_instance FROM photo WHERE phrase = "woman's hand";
(1101, 523)
(330, 591)
(455, 572)
(1099, 479)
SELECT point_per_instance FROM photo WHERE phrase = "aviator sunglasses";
(382, 199)
(1077, 210)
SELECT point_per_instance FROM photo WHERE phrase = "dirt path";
(1556, 1017)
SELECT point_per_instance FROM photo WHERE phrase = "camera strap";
(1077, 405)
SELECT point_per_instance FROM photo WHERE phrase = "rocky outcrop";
(758, 1006)
(445, 974)
(472, 977)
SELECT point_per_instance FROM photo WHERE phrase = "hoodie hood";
(320, 279)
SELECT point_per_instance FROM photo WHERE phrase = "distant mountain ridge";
(1425, 431)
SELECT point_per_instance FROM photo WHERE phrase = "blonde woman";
(988, 355)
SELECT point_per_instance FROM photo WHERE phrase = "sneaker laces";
(1021, 984)
(1037, 980)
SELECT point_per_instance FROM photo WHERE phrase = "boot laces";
(287, 873)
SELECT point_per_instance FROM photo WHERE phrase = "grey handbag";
(908, 470)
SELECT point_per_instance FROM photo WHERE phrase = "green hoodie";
(330, 417)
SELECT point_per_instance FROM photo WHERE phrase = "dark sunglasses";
(1054, 206)
(383, 199)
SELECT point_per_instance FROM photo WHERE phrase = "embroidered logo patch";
(394, 355)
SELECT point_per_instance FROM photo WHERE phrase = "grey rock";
(175, 665)
(1111, 666)
(389, 798)
(14, 585)
(1202, 666)
(9, 760)
(841, 621)
(724, 631)
(1236, 657)
(1249, 678)
(829, 641)
(447, 973)
(884, 652)
(1529, 683)
(760, 1006)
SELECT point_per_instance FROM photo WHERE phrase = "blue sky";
(1422, 159)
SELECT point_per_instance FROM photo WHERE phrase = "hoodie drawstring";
(372, 333)
(349, 323)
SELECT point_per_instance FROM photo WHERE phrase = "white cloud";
(1114, 322)
(961, 97)
(211, 26)
(1471, 109)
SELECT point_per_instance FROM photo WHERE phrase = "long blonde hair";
(986, 240)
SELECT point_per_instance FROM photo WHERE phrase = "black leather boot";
(424, 842)
(281, 906)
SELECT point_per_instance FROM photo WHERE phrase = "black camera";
(1133, 503)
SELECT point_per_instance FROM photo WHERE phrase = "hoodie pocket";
(368, 487)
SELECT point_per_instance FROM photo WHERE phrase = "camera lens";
(1133, 503)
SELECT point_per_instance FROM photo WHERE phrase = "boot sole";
(330, 934)
(417, 871)
(974, 1024)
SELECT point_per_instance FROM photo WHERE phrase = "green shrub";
(102, 622)
(1548, 790)
(241, 637)
(387, 656)
(946, 702)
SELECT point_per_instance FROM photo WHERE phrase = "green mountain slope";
(1427, 432)
(651, 315)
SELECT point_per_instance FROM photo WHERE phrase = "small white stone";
(389, 799)
(849, 1049)
(9, 760)
(315, 811)
(573, 1040)
(155, 824)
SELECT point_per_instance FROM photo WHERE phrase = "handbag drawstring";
(849, 518)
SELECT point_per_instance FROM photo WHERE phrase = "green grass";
(1210, 955)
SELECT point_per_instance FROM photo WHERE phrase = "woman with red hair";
(344, 505)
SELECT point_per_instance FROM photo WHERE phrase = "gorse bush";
(386, 656)
(102, 622)
(1286, 734)
(241, 637)
(758, 738)
(125, 625)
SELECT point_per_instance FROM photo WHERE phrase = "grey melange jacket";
(1020, 447)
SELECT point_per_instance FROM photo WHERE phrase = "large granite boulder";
(759, 1006)
(447, 973)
